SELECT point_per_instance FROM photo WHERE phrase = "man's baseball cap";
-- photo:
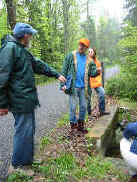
(85, 41)
(21, 29)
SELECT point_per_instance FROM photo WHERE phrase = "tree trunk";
(66, 6)
(11, 10)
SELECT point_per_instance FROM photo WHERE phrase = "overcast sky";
(0, 3)
(112, 7)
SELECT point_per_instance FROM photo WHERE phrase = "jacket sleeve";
(92, 71)
(41, 67)
(6, 65)
(65, 68)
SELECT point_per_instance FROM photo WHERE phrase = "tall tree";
(131, 6)
(88, 26)
(108, 35)
(66, 7)
(11, 10)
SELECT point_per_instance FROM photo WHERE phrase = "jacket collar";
(10, 38)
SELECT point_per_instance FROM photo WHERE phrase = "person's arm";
(40, 67)
(6, 65)
(99, 69)
(92, 71)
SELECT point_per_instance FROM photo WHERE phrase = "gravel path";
(53, 104)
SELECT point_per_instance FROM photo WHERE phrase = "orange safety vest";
(96, 81)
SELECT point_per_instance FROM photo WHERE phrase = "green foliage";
(18, 177)
(90, 30)
(48, 17)
(3, 22)
(122, 86)
(125, 85)
(131, 7)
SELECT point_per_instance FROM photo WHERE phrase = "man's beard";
(29, 44)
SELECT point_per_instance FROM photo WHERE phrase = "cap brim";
(84, 44)
(34, 32)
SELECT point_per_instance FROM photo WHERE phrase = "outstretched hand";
(99, 70)
(63, 88)
(3, 112)
(62, 79)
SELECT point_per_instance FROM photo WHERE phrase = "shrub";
(123, 86)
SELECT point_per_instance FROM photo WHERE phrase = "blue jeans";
(78, 97)
(23, 140)
(101, 95)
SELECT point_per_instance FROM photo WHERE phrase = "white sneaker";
(26, 170)
(12, 169)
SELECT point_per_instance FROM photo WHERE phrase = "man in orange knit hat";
(74, 70)
(96, 83)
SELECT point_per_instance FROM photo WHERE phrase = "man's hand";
(3, 112)
(62, 79)
(99, 70)
(63, 88)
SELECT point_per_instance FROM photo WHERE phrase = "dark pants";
(23, 140)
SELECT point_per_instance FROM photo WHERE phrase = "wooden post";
(103, 74)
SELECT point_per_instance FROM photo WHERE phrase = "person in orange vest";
(96, 83)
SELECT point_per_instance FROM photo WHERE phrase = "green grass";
(18, 177)
(63, 120)
(66, 166)
(61, 168)
(45, 141)
(97, 167)
(58, 169)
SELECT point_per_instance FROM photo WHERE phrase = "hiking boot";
(104, 113)
(133, 178)
(81, 127)
(74, 127)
